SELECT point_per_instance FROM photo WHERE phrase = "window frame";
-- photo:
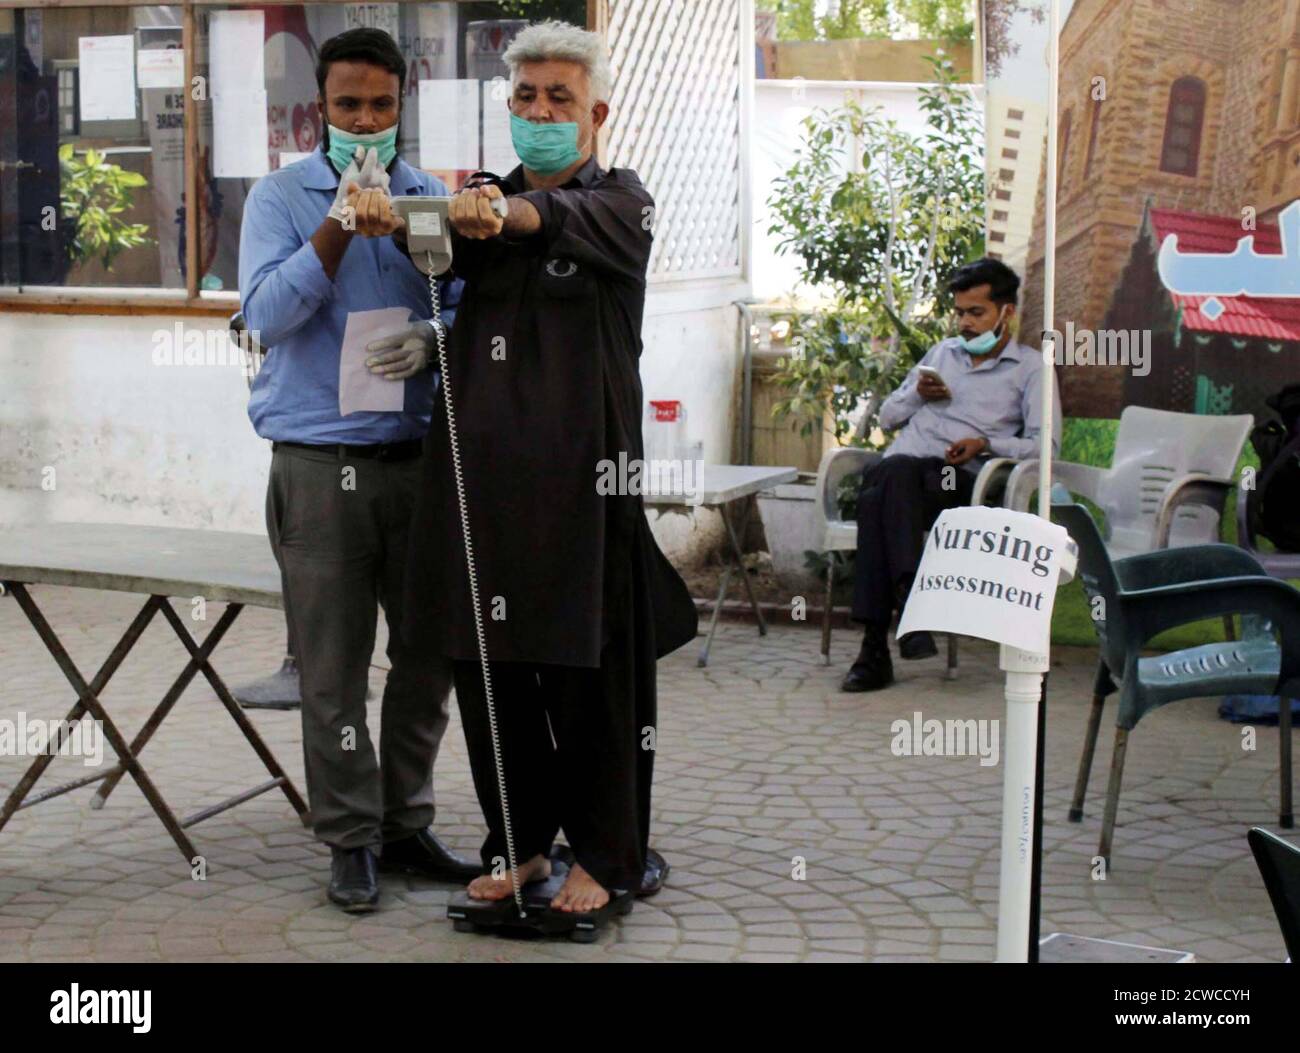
(109, 300)
(1195, 92)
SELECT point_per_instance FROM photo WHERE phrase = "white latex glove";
(365, 171)
(403, 354)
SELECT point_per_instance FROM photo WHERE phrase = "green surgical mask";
(545, 148)
(343, 146)
(986, 341)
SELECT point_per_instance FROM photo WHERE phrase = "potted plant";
(93, 195)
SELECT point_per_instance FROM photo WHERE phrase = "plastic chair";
(1275, 564)
(1168, 481)
(1137, 598)
(1279, 866)
(839, 534)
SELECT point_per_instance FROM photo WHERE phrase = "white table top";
(163, 561)
(719, 484)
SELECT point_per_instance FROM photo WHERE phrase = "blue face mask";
(545, 148)
(343, 146)
(985, 342)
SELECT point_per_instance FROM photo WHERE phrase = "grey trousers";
(340, 529)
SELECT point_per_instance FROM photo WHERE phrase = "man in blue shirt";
(315, 247)
(970, 397)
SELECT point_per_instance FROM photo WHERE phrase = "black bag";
(1275, 499)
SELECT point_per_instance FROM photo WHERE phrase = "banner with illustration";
(1178, 160)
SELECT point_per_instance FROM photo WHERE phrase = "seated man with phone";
(970, 397)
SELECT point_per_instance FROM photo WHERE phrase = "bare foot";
(487, 886)
(580, 893)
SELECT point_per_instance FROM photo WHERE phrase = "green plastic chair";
(1136, 598)
(1279, 866)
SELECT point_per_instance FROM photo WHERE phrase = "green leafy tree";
(93, 195)
(878, 238)
(999, 42)
(574, 11)
(952, 21)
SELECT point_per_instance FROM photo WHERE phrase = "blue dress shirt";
(300, 313)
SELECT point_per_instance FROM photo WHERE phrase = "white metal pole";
(1049, 265)
(1025, 670)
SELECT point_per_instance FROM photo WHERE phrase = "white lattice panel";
(676, 120)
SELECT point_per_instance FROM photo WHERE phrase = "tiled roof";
(1252, 317)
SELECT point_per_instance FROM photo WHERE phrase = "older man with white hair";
(577, 600)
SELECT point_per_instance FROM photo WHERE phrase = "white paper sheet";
(239, 135)
(360, 389)
(235, 51)
(160, 68)
(990, 573)
(107, 78)
(498, 149)
(449, 124)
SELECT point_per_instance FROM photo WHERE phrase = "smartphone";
(933, 374)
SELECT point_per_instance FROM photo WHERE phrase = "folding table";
(158, 562)
(720, 486)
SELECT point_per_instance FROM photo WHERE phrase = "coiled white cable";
(439, 337)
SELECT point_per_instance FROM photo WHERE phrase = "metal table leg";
(88, 701)
(736, 562)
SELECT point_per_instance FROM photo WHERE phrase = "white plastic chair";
(841, 535)
(1168, 480)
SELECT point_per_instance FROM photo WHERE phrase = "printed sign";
(990, 573)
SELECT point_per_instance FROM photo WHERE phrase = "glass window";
(1182, 142)
(91, 149)
(459, 44)
(93, 167)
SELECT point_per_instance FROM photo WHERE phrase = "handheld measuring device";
(428, 232)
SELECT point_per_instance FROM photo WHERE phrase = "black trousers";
(577, 748)
(900, 499)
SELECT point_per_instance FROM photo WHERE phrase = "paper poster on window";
(498, 148)
(373, 16)
(989, 573)
(164, 117)
(239, 133)
(235, 54)
(107, 78)
(160, 68)
(449, 124)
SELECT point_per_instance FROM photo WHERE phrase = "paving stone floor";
(762, 763)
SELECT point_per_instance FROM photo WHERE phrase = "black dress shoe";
(425, 855)
(916, 645)
(354, 882)
(860, 677)
(656, 873)
(873, 669)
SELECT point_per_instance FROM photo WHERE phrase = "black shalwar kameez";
(578, 601)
